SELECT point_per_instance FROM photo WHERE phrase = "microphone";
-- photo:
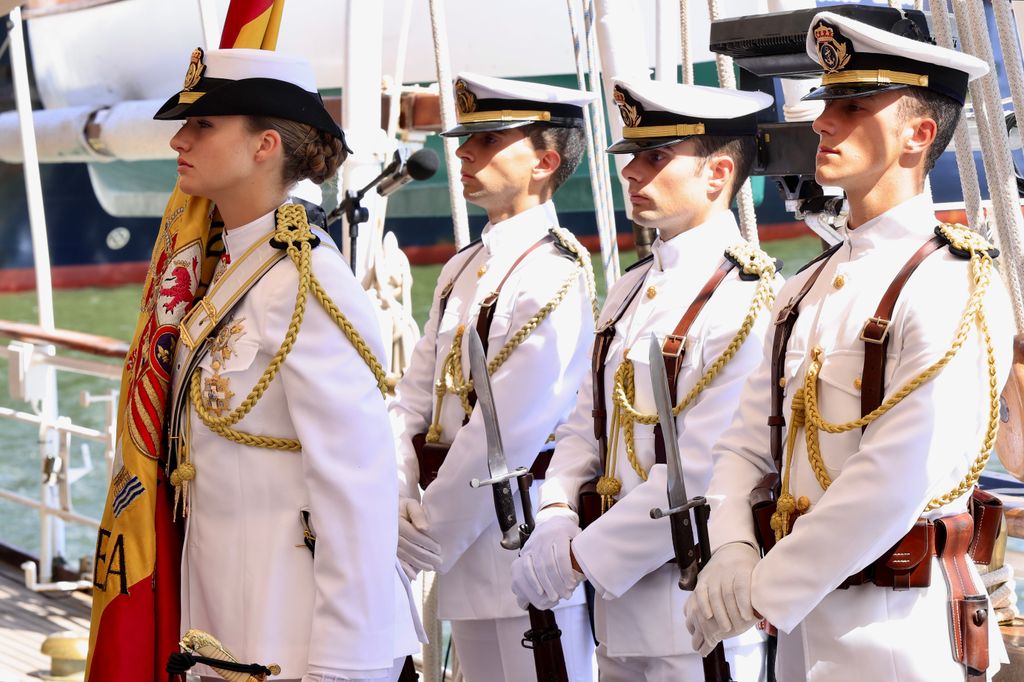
(402, 169)
(420, 166)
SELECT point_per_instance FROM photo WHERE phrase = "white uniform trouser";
(746, 663)
(492, 650)
(392, 676)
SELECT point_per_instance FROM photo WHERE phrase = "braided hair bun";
(308, 152)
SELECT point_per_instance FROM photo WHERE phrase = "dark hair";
(570, 144)
(308, 152)
(944, 110)
(740, 148)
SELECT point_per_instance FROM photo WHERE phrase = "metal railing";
(33, 364)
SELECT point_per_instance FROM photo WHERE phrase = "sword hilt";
(659, 513)
(515, 473)
(689, 559)
(504, 504)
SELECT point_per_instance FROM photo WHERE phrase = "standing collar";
(711, 237)
(518, 233)
(913, 219)
(239, 239)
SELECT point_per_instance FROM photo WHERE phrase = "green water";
(113, 312)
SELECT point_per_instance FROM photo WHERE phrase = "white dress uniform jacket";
(882, 478)
(247, 578)
(533, 391)
(624, 553)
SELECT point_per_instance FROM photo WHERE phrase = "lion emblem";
(832, 52)
(177, 285)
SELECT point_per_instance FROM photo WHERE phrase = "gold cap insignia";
(832, 52)
(465, 100)
(196, 67)
(630, 112)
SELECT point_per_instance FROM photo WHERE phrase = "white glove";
(543, 574)
(417, 551)
(720, 606)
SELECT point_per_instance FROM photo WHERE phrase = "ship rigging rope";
(686, 55)
(1001, 176)
(600, 180)
(442, 61)
(745, 197)
(961, 137)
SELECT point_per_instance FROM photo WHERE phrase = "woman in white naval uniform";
(344, 612)
(877, 142)
(682, 185)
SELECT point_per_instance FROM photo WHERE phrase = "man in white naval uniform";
(681, 182)
(524, 140)
(858, 493)
(317, 439)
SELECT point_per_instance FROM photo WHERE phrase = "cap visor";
(631, 146)
(172, 110)
(827, 92)
(464, 129)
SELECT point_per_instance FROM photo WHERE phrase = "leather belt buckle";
(674, 340)
(879, 322)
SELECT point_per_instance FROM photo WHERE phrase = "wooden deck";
(27, 618)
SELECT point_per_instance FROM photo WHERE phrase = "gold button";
(481, 271)
(857, 383)
(803, 504)
(215, 364)
(839, 281)
(782, 382)
(651, 292)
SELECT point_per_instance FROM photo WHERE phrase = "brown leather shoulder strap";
(674, 348)
(784, 323)
(875, 333)
(442, 301)
(602, 342)
(486, 314)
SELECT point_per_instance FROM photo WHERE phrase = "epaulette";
(563, 246)
(472, 243)
(292, 217)
(751, 262)
(646, 259)
(314, 214)
(962, 240)
(824, 254)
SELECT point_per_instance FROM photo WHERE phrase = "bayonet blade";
(497, 465)
(663, 402)
(679, 507)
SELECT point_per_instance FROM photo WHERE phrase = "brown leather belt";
(430, 457)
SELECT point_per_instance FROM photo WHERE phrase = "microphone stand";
(356, 213)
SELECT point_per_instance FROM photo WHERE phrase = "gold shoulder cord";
(451, 380)
(625, 415)
(293, 231)
(805, 410)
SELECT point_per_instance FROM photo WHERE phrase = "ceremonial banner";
(136, 603)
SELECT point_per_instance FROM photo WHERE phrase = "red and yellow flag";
(136, 601)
